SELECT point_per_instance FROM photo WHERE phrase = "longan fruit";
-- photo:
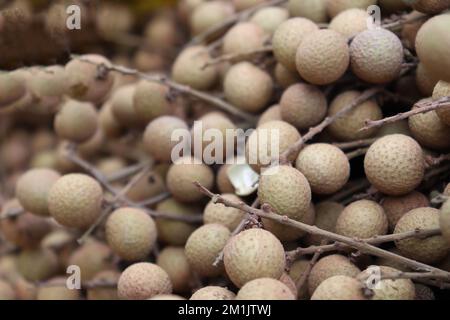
(410, 30)
(241, 5)
(151, 100)
(48, 82)
(327, 213)
(339, 288)
(243, 37)
(350, 22)
(148, 186)
(113, 19)
(430, 6)
(6, 291)
(162, 32)
(271, 114)
(110, 165)
(219, 213)
(270, 18)
(265, 289)
(423, 292)
(107, 276)
(13, 88)
(37, 264)
(444, 220)
(425, 81)
(122, 107)
(93, 146)
(334, 7)
(284, 77)
(174, 261)
(56, 289)
(315, 10)
(107, 122)
(209, 13)
(295, 272)
(442, 89)
(213, 293)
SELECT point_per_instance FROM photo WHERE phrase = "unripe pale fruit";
(430, 6)
(265, 289)
(425, 81)
(32, 190)
(151, 100)
(56, 289)
(287, 37)
(269, 141)
(213, 293)
(182, 175)
(315, 10)
(84, 82)
(208, 14)
(158, 136)
(429, 250)
(339, 288)
(285, 77)
(327, 213)
(248, 87)
(75, 200)
(6, 291)
(303, 106)
(76, 121)
(286, 190)
(444, 221)
(243, 37)
(150, 185)
(271, 114)
(253, 254)
(38, 264)
(188, 68)
(362, 219)
(328, 267)
(387, 289)
(431, 46)
(442, 89)
(396, 207)
(219, 213)
(394, 164)
(325, 166)
(131, 233)
(203, 247)
(334, 7)
(142, 281)
(270, 18)
(322, 57)
(376, 56)
(350, 22)
(174, 261)
(108, 276)
(13, 87)
(122, 107)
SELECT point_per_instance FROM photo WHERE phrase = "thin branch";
(12, 213)
(356, 153)
(402, 20)
(355, 144)
(349, 189)
(304, 277)
(125, 172)
(232, 57)
(154, 200)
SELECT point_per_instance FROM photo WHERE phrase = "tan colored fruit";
(243, 37)
(410, 30)
(13, 88)
(425, 81)
(285, 77)
(150, 185)
(396, 207)
(322, 57)
(260, 150)
(6, 291)
(151, 100)
(113, 19)
(108, 276)
(441, 90)
(37, 264)
(376, 56)
(76, 121)
(142, 281)
(270, 18)
(289, 282)
(387, 289)
(219, 213)
(265, 289)
(339, 288)
(93, 146)
(328, 267)
(107, 121)
(131, 233)
(174, 261)
(167, 297)
(203, 246)
(213, 293)
(362, 219)
(149, 61)
(188, 68)
(56, 289)
(223, 182)
(334, 7)
(286, 190)
(350, 22)
(245, 4)
(431, 46)
(296, 271)
(253, 254)
(394, 164)
(327, 213)
(33, 187)
(303, 106)
(429, 250)
(325, 166)
(423, 292)
(271, 114)
(248, 87)
(75, 200)
(314, 10)
(48, 82)
(122, 107)
(110, 165)
(287, 38)
(158, 137)
(444, 220)
(161, 31)
(182, 175)
(84, 84)
(430, 6)
(175, 232)
(209, 13)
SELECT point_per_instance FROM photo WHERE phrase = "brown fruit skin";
(287, 37)
(431, 6)
(75, 200)
(174, 261)
(253, 254)
(394, 164)
(322, 57)
(315, 10)
(295, 272)
(37, 264)
(376, 56)
(131, 233)
(303, 106)
(213, 293)
(265, 289)
(223, 182)
(272, 113)
(325, 166)
(334, 7)
(285, 77)
(227, 216)
(350, 22)
(410, 30)
(32, 190)
(104, 293)
(6, 291)
(150, 185)
(181, 178)
(83, 82)
(203, 246)
(142, 281)
(107, 121)
(151, 100)
(248, 87)
(442, 89)
(444, 220)
(396, 207)
(76, 121)
(339, 288)
(122, 107)
(207, 14)
(243, 37)
(158, 137)
(429, 250)
(327, 213)
(425, 81)
(286, 190)
(57, 290)
(423, 292)
(270, 18)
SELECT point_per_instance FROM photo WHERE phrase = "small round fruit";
(148, 186)
(444, 221)
(285, 77)
(322, 57)
(209, 13)
(122, 107)
(270, 18)
(425, 81)
(108, 123)
(241, 5)
(350, 22)
(32, 190)
(49, 82)
(76, 121)
(219, 213)
(430, 6)
(13, 88)
(56, 289)
(75, 200)
(442, 89)
(253, 254)
(223, 181)
(174, 261)
(339, 288)
(298, 268)
(131, 233)
(327, 213)
(271, 114)
(213, 293)
(315, 10)
(37, 264)
(243, 37)
(429, 250)
(265, 289)
(151, 100)
(334, 7)
(203, 247)
(107, 276)
(142, 281)
(6, 291)
(395, 164)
